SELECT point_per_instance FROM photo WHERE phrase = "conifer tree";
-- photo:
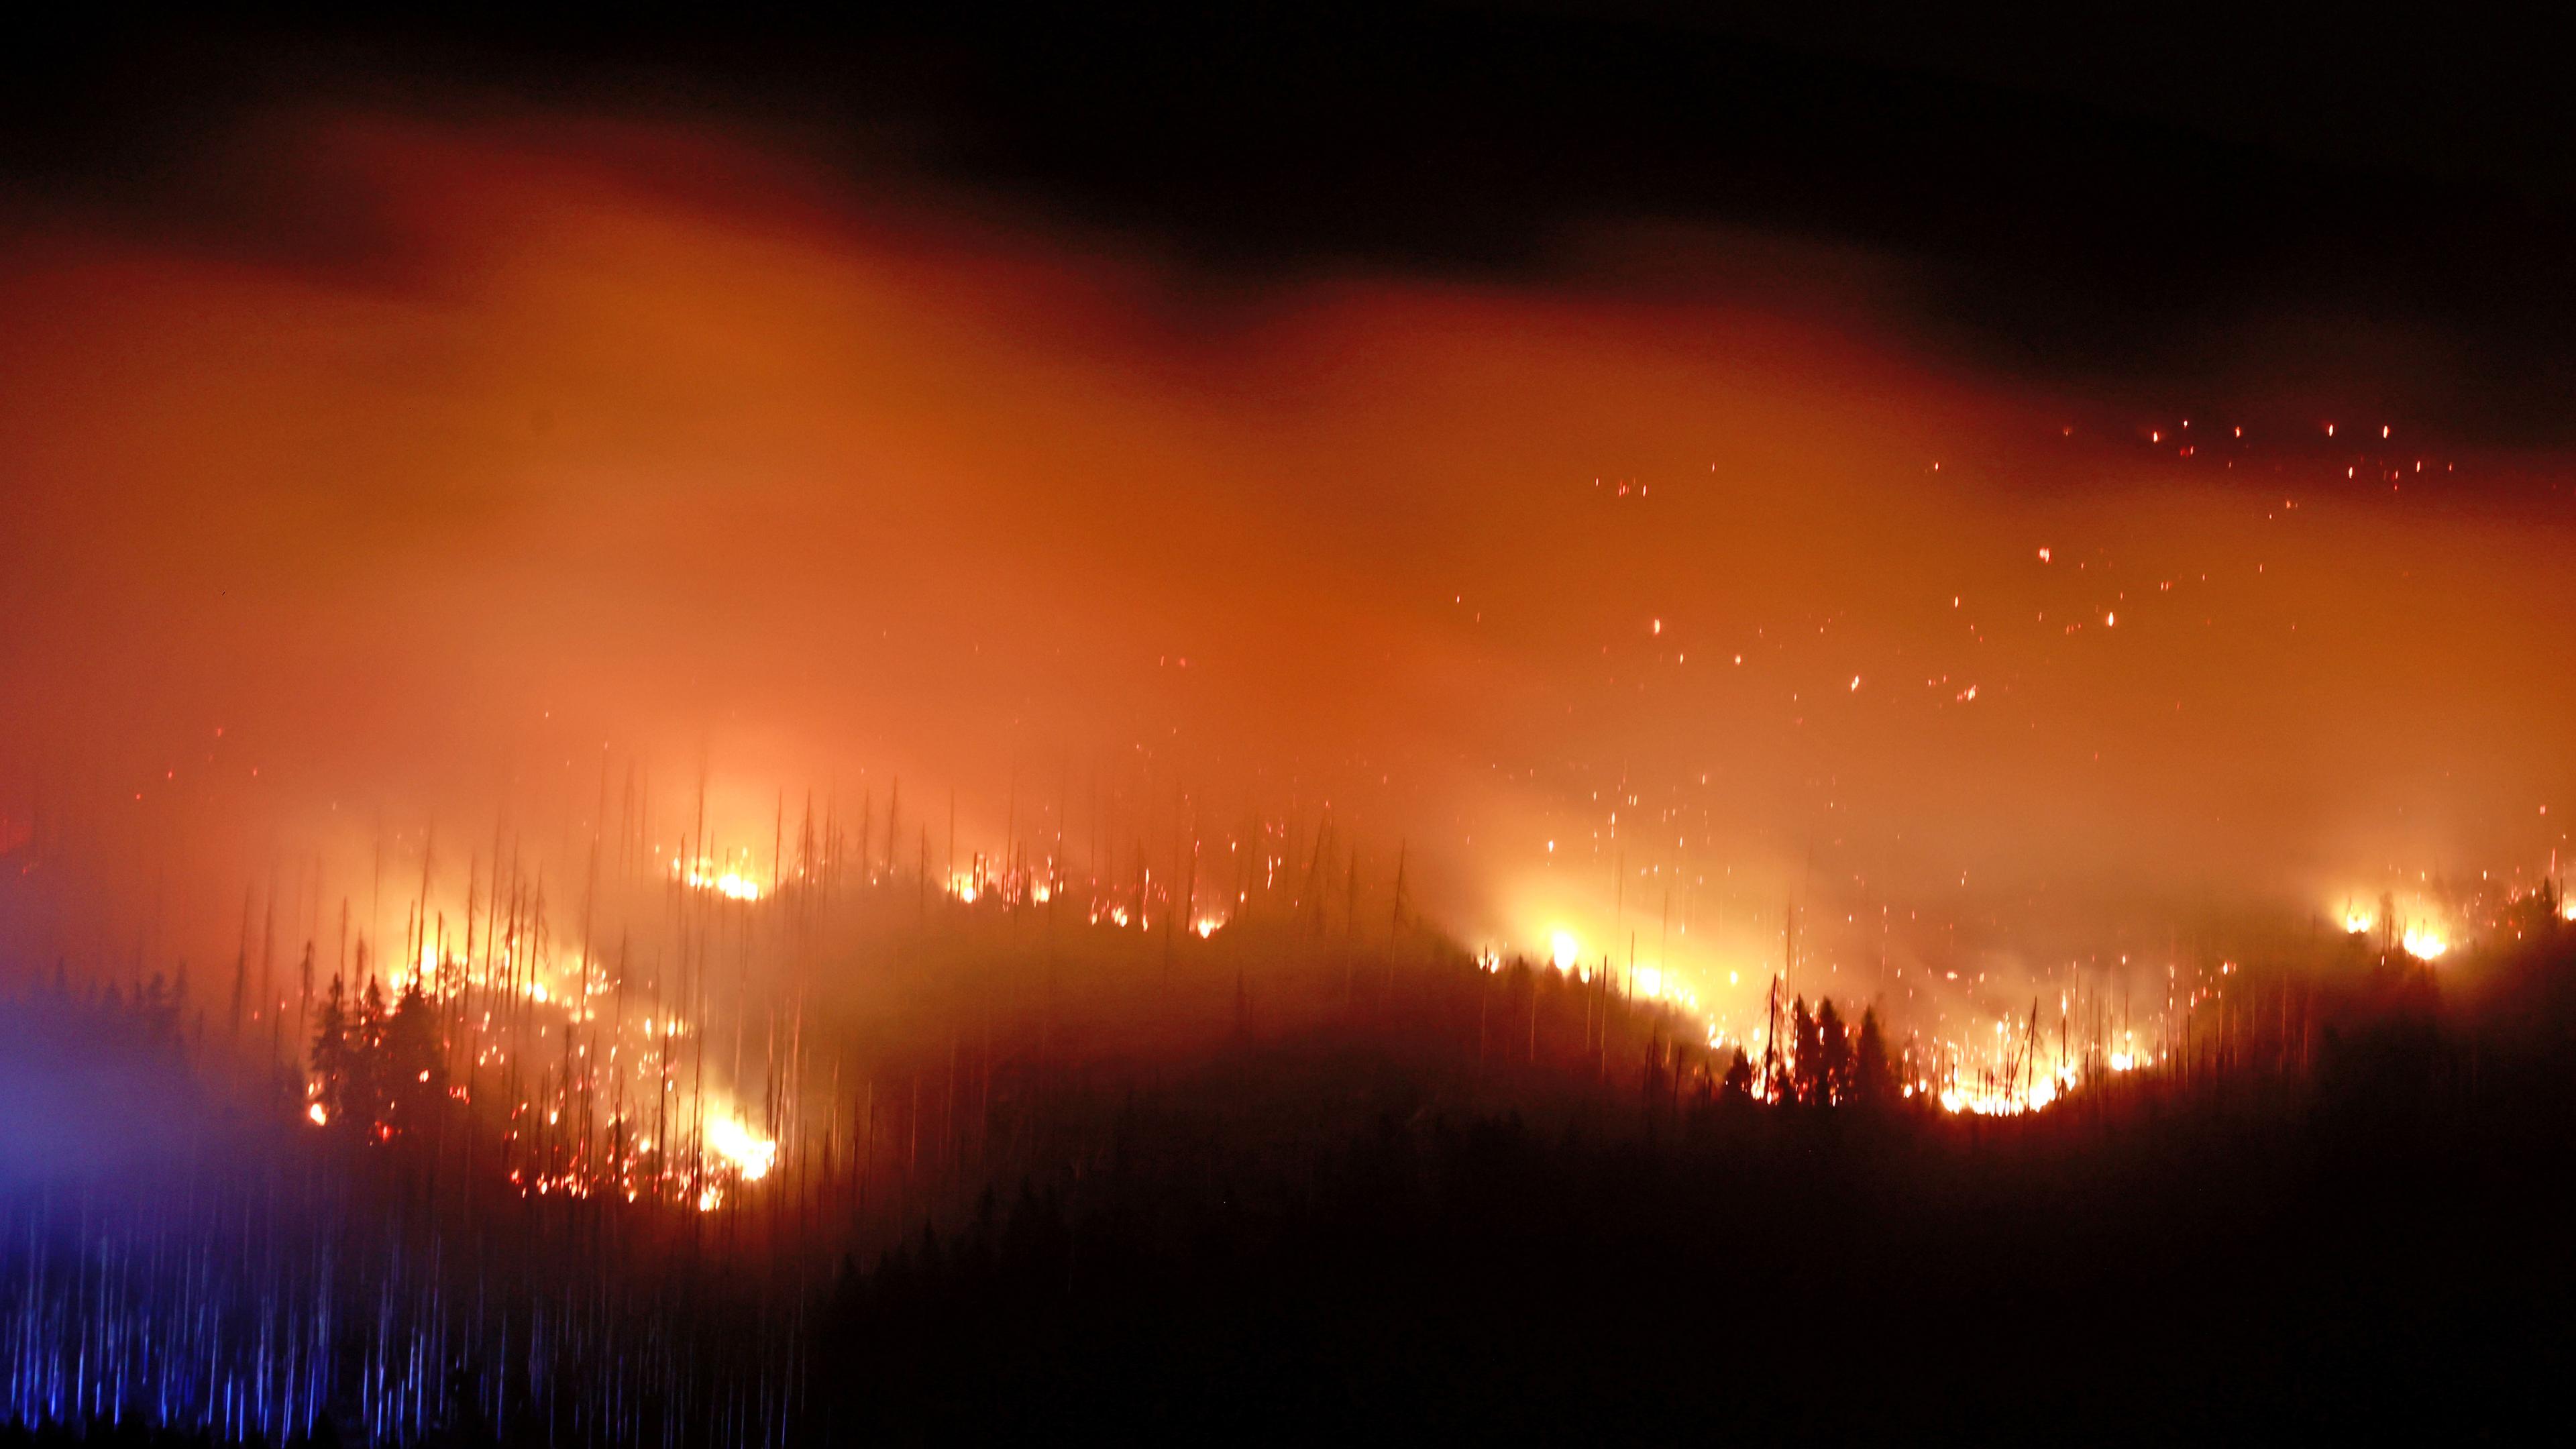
(415, 1075)
(1834, 1055)
(1737, 1085)
(330, 1054)
(367, 1094)
(1873, 1074)
(1807, 1065)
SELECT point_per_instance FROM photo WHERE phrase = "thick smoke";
(592, 459)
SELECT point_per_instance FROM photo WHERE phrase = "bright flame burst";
(735, 1142)
(733, 885)
(1999, 1103)
(1562, 949)
(2420, 940)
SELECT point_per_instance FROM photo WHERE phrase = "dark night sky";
(2134, 198)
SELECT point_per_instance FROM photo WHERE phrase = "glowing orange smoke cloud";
(1621, 618)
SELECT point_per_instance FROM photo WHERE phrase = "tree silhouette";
(331, 1047)
(1737, 1085)
(366, 1090)
(413, 1072)
(1874, 1081)
(1807, 1060)
(1833, 1056)
(379, 1070)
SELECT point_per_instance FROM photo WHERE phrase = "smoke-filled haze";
(547, 454)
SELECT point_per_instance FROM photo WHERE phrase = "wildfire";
(2014, 1098)
(2424, 943)
(1655, 983)
(733, 885)
(572, 1162)
(735, 1142)
(1954, 1100)
(1563, 949)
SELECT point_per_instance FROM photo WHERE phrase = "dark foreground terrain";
(2354, 1223)
(2385, 1248)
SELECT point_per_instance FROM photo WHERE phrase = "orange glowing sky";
(596, 437)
